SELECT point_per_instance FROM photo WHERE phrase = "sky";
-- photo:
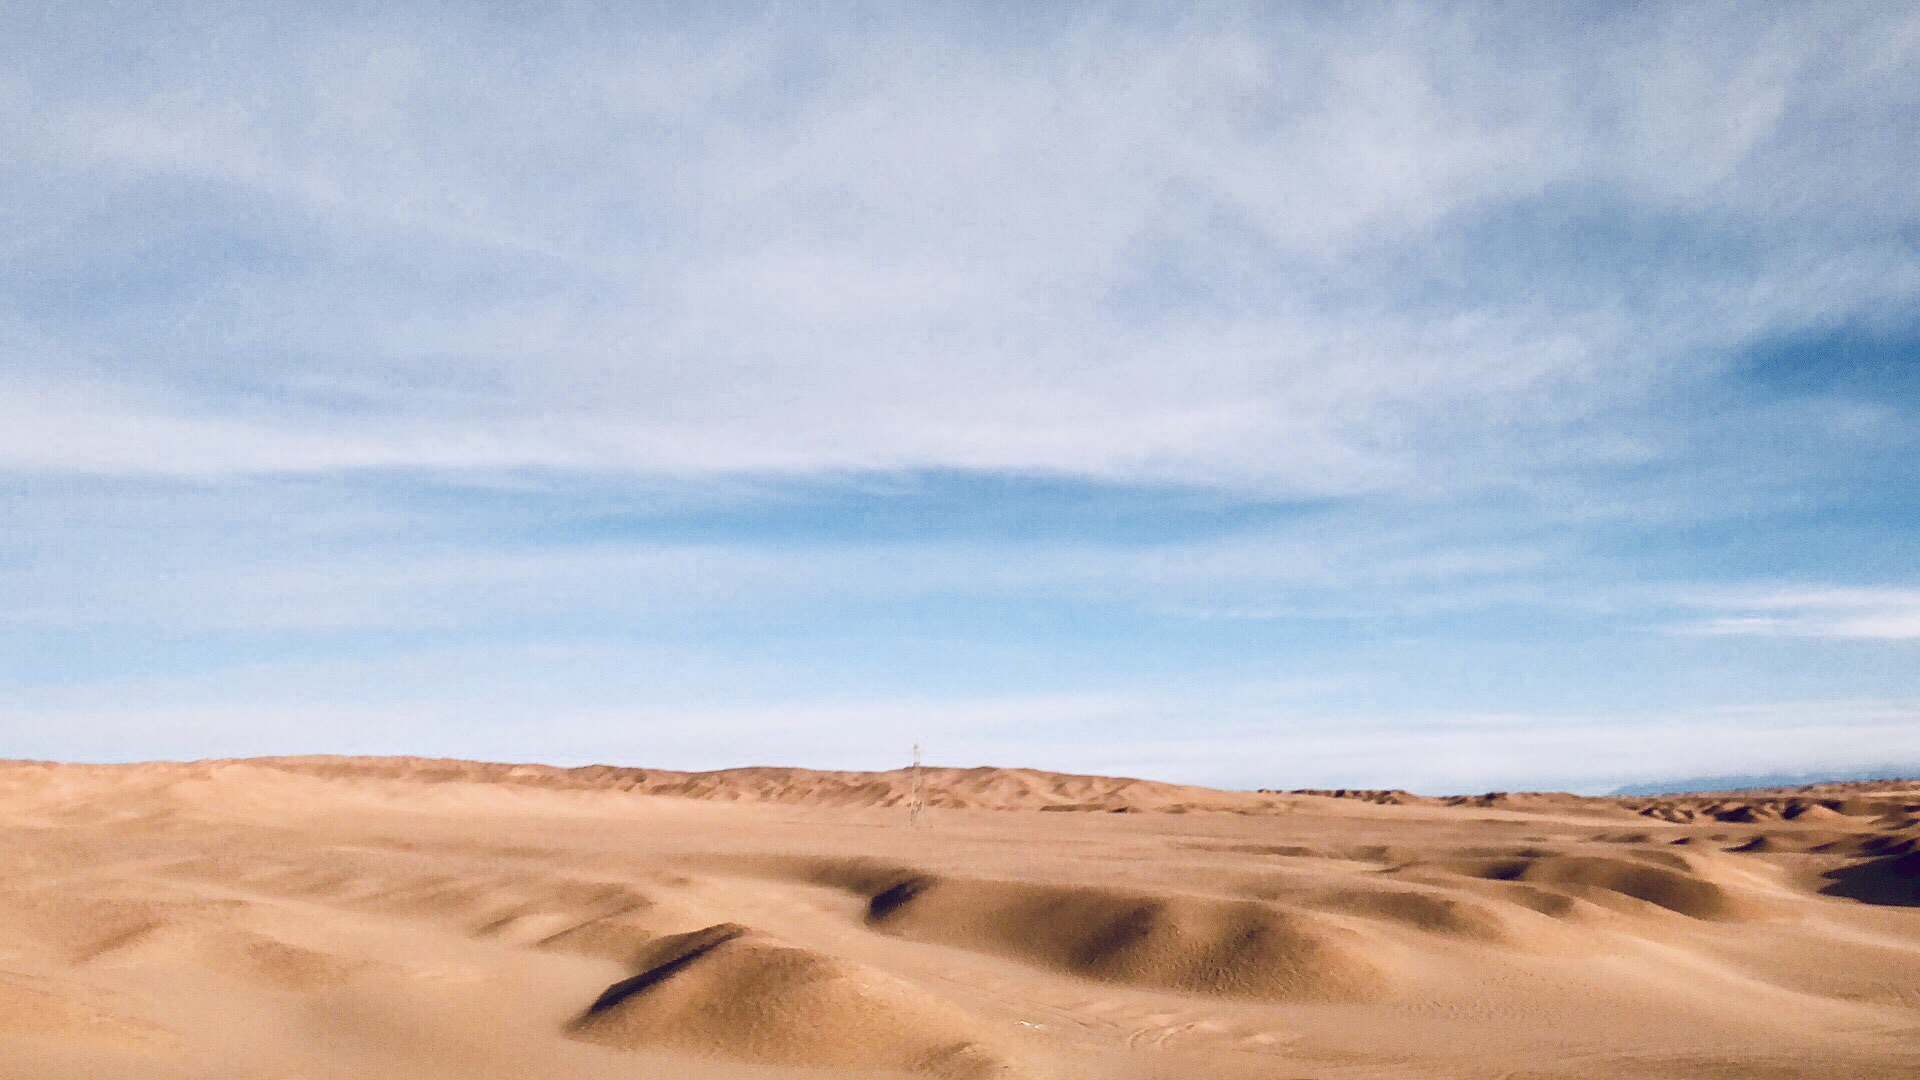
(1449, 397)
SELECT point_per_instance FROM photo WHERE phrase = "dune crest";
(1196, 944)
(728, 991)
(979, 788)
(1602, 878)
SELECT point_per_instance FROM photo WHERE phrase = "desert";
(351, 917)
(964, 541)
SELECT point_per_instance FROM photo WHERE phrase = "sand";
(319, 918)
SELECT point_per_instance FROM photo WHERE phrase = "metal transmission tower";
(915, 805)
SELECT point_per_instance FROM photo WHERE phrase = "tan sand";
(322, 918)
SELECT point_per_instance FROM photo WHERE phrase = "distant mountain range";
(1741, 782)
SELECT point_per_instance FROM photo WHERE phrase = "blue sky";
(1431, 396)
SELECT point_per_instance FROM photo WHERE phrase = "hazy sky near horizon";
(1451, 397)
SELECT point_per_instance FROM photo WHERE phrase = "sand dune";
(1442, 913)
(1888, 879)
(1607, 879)
(728, 991)
(323, 917)
(1191, 943)
(1823, 804)
(983, 788)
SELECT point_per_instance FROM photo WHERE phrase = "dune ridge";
(730, 991)
(974, 788)
(1191, 943)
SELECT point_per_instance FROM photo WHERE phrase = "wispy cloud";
(1255, 735)
(264, 557)
(1278, 251)
(1858, 614)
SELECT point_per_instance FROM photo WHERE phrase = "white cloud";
(1244, 736)
(1855, 614)
(276, 557)
(1593, 752)
(1229, 252)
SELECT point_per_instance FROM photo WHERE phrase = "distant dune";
(984, 788)
(415, 918)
